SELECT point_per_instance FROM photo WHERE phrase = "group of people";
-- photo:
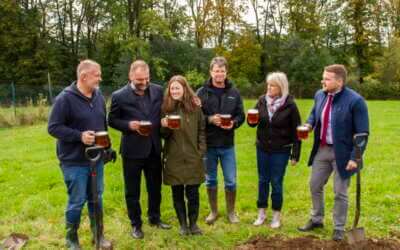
(203, 140)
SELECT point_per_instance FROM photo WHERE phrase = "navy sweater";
(73, 113)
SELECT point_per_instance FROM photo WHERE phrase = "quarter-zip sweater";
(72, 114)
(230, 102)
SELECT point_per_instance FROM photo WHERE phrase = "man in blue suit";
(138, 101)
(338, 113)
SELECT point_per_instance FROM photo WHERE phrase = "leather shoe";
(338, 235)
(161, 225)
(137, 233)
(310, 226)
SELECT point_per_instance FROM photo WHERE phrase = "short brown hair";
(339, 70)
(220, 61)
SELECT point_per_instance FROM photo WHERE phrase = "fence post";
(13, 99)
(50, 88)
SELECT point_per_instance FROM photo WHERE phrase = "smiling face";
(176, 91)
(331, 83)
(218, 74)
(273, 90)
(140, 77)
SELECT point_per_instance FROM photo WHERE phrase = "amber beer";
(226, 120)
(252, 116)
(302, 132)
(174, 121)
(102, 139)
(145, 128)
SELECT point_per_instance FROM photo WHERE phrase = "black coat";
(279, 134)
(125, 107)
(229, 103)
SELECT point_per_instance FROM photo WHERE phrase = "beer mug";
(302, 132)
(145, 128)
(102, 139)
(226, 120)
(252, 116)
(174, 121)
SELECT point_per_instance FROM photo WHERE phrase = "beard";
(141, 86)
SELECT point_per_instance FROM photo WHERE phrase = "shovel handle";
(94, 153)
(358, 199)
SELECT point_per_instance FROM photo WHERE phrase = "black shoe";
(195, 230)
(137, 233)
(161, 225)
(338, 235)
(310, 226)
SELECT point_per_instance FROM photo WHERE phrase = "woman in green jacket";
(183, 151)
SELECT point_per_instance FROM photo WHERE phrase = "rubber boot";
(71, 238)
(180, 209)
(230, 197)
(193, 214)
(213, 201)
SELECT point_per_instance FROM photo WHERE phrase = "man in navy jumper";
(78, 112)
(338, 113)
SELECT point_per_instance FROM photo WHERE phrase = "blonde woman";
(276, 144)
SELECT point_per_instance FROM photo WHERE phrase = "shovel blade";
(355, 235)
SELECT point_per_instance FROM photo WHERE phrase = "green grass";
(33, 196)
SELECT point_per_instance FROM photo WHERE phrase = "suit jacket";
(126, 107)
(349, 116)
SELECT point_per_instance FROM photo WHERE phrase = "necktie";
(327, 112)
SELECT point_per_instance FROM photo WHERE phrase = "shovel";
(357, 234)
(94, 154)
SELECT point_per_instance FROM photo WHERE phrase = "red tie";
(325, 121)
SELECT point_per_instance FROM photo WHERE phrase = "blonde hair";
(85, 66)
(280, 79)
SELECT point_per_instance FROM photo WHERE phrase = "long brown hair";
(169, 104)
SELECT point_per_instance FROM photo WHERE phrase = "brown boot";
(213, 200)
(230, 197)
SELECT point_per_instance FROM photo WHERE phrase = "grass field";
(33, 197)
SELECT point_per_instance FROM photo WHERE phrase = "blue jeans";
(226, 155)
(271, 171)
(77, 181)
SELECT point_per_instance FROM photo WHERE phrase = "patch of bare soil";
(314, 243)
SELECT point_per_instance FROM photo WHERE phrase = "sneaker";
(276, 219)
(261, 217)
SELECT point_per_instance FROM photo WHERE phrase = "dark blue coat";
(73, 113)
(349, 116)
(126, 107)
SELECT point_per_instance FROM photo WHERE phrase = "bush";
(195, 78)
(372, 89)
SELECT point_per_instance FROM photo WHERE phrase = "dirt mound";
(314, 243)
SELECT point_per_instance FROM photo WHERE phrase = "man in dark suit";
(139, 101)
(338, 113)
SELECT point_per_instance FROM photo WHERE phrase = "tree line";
(47, 38)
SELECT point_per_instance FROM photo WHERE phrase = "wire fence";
(26, 104)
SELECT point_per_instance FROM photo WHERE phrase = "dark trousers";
(151, 167)
(271, 171)
(192, 196)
